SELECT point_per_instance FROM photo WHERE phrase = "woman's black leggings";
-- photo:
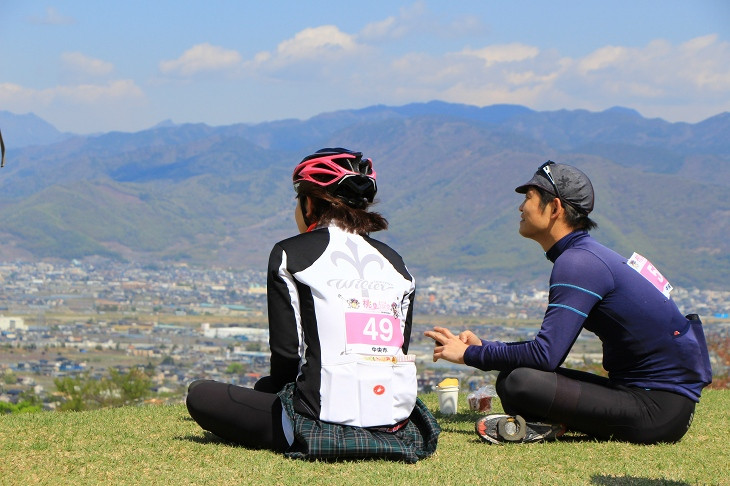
(587, 403)
(245, 416)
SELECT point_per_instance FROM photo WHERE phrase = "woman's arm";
(284, 335)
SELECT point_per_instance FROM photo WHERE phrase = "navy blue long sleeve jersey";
(647, 342)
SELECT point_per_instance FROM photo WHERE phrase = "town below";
(83, 321)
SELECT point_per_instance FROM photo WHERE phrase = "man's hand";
(470, 338)
(450, 347)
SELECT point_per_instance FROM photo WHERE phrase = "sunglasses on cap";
(545, 168)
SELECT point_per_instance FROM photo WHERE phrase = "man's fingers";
(444, 331)
(436, 336)
(465, 337)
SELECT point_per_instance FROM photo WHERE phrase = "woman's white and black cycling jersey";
(340, 308)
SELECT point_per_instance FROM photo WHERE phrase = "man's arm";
(578, 282)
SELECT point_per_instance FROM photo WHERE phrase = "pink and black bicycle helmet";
(343, 173)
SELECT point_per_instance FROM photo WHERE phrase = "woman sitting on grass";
(342, 383)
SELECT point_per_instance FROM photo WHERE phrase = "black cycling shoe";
(501, 428)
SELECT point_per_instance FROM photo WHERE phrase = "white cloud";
(658, 76)
(93, 93)
(387, 28)
(491, 94)
(602, 58)
(417, 20)
(411, 56)
(312, 53)
(14, 94)
(410, 19)
(649, 78)
(21, 99)
(706, 63)
(202, 58)
(659, 73)
(503, 53)
(522, 78)
(83, 108)
(360, 63)
(496, 74)
(82, 64)
(314, 42)
(699, 43)
(52, 17)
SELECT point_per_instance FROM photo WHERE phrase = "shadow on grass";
(456, 417)
(634, 481)
(210, 438)
(206, 438)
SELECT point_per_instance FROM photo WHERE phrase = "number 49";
(382, 330)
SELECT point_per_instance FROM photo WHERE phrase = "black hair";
(575, 219)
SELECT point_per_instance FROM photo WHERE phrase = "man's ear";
(556, 207)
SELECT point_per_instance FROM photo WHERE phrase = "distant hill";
(28, 129)
(447, 172)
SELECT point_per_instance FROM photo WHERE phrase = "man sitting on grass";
(656, 358)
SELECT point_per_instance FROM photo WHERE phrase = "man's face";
(534, 221)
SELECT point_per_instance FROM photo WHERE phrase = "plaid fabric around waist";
(317, 440)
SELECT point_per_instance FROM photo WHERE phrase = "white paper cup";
(448, 399)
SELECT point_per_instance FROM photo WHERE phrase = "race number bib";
(649, 272)
(373, 334)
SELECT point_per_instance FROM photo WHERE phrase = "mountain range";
(222, 196)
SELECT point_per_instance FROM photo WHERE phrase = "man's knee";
(523, 383)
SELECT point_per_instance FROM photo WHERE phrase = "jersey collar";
(564, 243)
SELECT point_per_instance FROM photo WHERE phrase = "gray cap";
(570, 185)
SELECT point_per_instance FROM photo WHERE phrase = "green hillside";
(446, 175)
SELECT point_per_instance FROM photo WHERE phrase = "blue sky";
(92, 66)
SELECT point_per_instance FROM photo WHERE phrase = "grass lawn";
(161, 445)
